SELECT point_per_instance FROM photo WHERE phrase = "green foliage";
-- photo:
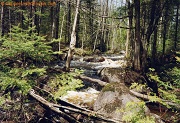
(166, 85)
(19, 79)
(21, 44)
(135, 113)
(137, 86)
(60, 84)
(2, 100)
(175, 75)
(167, 88)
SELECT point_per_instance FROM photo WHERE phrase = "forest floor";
(34, 112)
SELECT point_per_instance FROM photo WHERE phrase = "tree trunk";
(73, 38)
(77, 31)
(137, 50)
(52, 21)
(176, 28)
(62, 24)
(68, 22)
(36, 19)
(129, 31)
(165, 31)
(2, 21)
(57, 20)
(40, 19)
(154, 47)
(10, 21)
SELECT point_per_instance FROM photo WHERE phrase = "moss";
(116, 87)
(115, 105)
(109, 87)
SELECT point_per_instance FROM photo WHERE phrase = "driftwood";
(63, 110)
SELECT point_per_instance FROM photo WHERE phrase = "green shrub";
(135, 113)
(62, 83)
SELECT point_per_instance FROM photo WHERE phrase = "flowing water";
(87, 95)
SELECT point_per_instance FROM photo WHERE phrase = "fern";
(60, 84)
(135, 113)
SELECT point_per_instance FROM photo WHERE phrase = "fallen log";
(91, 114)
(139, 95)
(161, 101)
(82, 77)
(51, 107)
(76, 109)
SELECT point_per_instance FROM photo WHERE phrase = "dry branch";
(51, 107)
(89, 113)
(147, 97)
(102, 83)
(76, 109)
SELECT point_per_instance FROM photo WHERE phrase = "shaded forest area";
(39, 39)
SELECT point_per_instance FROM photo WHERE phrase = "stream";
(86, 96)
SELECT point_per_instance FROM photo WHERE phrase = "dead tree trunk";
(73, 38)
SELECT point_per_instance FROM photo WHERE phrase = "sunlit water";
(86, 97)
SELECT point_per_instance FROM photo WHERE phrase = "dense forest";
(47, 48)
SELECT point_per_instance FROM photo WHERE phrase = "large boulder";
(112, 74)
(113, 99)
(115, 96)
(121, 75)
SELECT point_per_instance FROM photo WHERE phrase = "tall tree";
(68, 22)
(2, 20)
(57, 11)
(176, 27)
(129, 41)
(73, 37)
(137, 46)
(165, 20)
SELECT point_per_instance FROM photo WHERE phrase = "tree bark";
(2, 20)
(52, 21)
(68, 22)
(73, 38)
(137, 50)
(57, 20)
(129, 31)
(154, 47)
(176, 28)
(165, 20)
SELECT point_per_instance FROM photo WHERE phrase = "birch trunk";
(73, 38)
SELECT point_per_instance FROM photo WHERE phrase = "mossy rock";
(108, 87)
(116, 87)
